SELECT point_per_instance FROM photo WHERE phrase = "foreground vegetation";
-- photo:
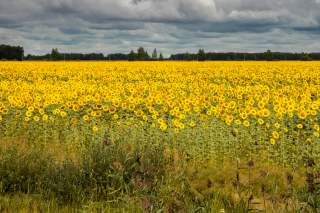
(159, 137)
(135, 172)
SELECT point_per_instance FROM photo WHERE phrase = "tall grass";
(135, 170)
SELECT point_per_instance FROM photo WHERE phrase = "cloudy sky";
(171, 26)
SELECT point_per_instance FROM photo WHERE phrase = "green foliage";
(201, 55)
(268, 55)
(142, 55)
(146, 170)
(161, 57)
(21, 171)
(55, 55)
(154, 54)
(306, 57)
(8, 52)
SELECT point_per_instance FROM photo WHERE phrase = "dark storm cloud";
(169, 25)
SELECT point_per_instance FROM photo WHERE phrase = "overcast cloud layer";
(169, 25)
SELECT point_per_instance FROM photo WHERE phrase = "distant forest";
(8, 52)
(11, 53)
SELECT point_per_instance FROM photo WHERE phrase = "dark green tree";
(268, 55)
(201, 55)
(155, 54)
(8, 52)
(55, 55)
(161, 57)
(132, 56)
(306, 57)
(142, 54)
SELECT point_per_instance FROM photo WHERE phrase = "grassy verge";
(136, 177)
(132, 169)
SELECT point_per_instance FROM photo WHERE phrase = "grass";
(131, 169)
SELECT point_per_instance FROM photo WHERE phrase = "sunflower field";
(264, 116)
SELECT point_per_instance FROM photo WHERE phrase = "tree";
(268, 55)
(161, 57)
(142, 54)
(155, 54)
(132, 56)
(201, 55)
(306, 57)
(8, 52)
(55, 55)
(118, 57)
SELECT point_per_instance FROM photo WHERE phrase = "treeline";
(8, 52)
(234, 56)
(55, 55)
(140, 55)
(17, 53)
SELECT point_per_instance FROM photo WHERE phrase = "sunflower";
(275, 135)
(260, 121)
(163, 126)
(95, 128)
(45, 117)
(192, 124)
(272, 141)
(85, 117)
(36, 118)
(246, 123)
(299, 126)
